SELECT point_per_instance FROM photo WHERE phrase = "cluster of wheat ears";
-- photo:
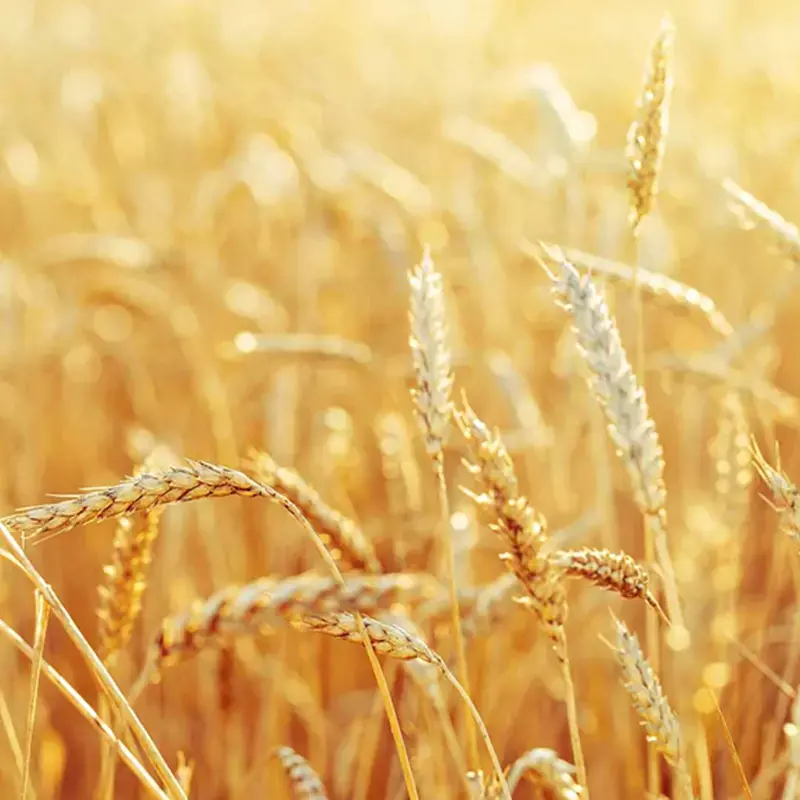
(484, 663)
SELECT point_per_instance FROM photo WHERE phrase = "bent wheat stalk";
(332, 526)
(434, 384)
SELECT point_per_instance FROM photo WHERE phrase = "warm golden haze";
(461, 334)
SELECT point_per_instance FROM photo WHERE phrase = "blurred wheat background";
(208, 214)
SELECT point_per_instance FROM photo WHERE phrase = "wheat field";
(461, 334)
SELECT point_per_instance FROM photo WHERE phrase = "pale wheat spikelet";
(511, 516)
(143, 493)
(542, 767)
(672, 294)
(648, 133)
(733, 464)
(126, 575)
(614, 384)
(617, 572)
(431, 355)
(305, 783)
(658, 719)
(785, 496)
(760, 214)
(344, 537)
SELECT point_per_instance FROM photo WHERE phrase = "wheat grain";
(648, 133)
(305, 783)
(349, 542)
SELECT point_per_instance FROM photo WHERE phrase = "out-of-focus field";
(193, 193)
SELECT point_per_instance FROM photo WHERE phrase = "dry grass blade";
(305, 783)
(648, 698)
(195, 481)
(302, 345)
(673, 293)
(18, 556)
(86, 711)
(647, 135)
(348, 541)
(760, 214)
(617, 572)
(785, 496)
(42, 618)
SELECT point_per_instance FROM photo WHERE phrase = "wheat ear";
(433, 370)
(544, 769)
(524, 531)
(785, 496)
(659, 720)
(648, 133)
(624, 403)
(305, 783)
(672, 293)
(348, 541)
(617, 572)
(786, 234)
(126, 574)
(265, 603)
(143, 493)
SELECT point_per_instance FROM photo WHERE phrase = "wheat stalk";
(305, 783)
(347, 539)
(648, 133)
(659, 720)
